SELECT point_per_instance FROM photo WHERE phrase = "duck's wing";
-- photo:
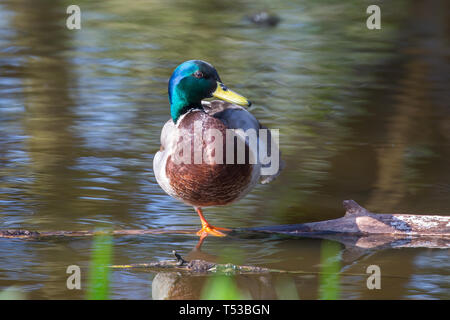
(237, 117)
(272, 146)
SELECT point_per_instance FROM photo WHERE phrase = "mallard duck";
(215, 180)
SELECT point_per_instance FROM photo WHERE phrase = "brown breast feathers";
(210, 182)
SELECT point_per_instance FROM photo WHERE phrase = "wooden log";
(199, 266)
(196, 266)
(358, 228)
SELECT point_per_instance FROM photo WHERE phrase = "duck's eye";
(198, 74)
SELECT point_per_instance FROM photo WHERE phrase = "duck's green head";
(195, 80)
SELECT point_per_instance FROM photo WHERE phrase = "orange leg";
(207, 228)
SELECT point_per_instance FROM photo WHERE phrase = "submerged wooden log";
(27, 234)
(358, 227)
(195, 266)
(203, 267)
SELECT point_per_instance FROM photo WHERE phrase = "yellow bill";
(223, 93)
